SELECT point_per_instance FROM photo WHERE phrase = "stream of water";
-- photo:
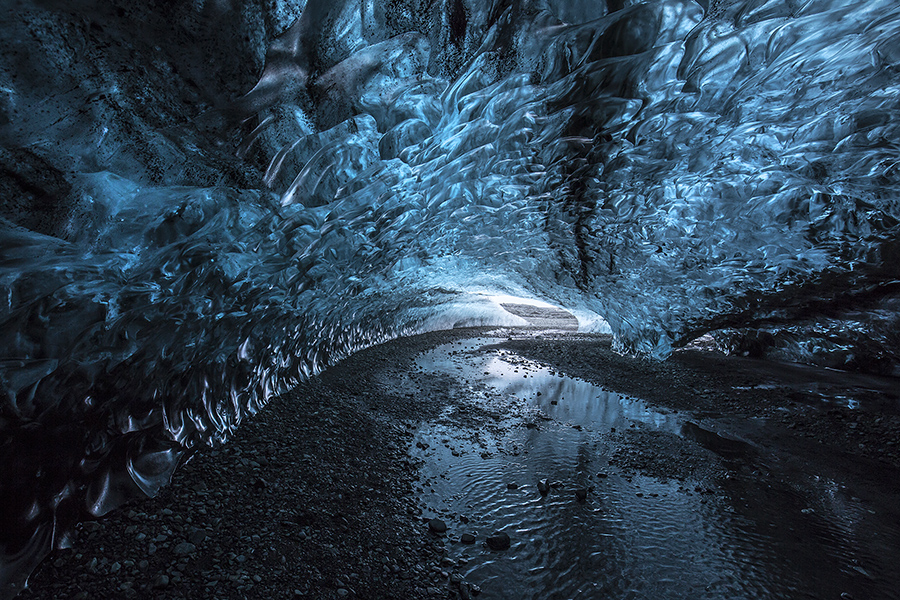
(748, 527)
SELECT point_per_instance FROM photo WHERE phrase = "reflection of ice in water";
(561, 398)
(634, 536)
(615, 544)
(571, 400)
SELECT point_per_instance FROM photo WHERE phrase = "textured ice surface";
(173, 252)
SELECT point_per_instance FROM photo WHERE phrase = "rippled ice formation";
(174, 252)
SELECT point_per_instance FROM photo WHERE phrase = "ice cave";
(645, 252)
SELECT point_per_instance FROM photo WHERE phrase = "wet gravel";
(311, 498)
(315, 496)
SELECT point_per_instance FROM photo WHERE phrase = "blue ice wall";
(201, 210)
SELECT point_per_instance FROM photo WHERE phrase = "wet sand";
(327, 492)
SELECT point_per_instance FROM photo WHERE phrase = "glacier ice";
(201, 212)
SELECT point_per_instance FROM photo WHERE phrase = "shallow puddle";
(601, 532)
(552, 395)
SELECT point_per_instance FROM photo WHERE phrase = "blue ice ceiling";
(205, 202)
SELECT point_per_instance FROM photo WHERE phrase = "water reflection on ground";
(583, 527)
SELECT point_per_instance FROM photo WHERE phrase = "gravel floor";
(314, 496)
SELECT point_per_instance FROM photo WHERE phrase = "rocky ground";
(315, 496)
(310, 499)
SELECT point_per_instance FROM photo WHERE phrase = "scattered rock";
(464, 592)
(498, 541)
(512, 486)
(335, 542)
(185, 548)
(197, 536)
(581, 494)
(437, 526)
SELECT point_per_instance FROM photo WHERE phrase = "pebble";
(581, 494)
(185, 548)
(161, 581)
(543, 487)
(197, 536)
(498, 541)
(437, 526)
(467, 538)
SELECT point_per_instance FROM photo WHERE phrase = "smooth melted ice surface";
(635, 536)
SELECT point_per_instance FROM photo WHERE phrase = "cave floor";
(702, 476)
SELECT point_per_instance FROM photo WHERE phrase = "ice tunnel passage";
(205, 202)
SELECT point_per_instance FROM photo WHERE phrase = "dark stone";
(185, 548)
(498, 541)
(467, 538)
(197, 537)
(464, 592)
(437, 526)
